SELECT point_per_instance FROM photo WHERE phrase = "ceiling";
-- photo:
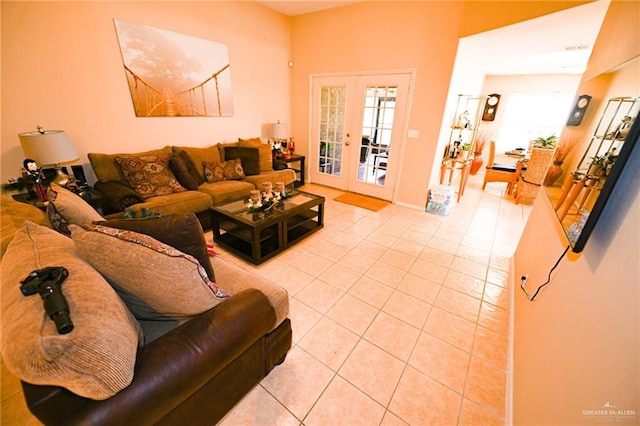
(559, 43)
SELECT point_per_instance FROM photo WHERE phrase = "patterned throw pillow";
(65, 208)
(224, 170)
(156, 281)
(149, 175)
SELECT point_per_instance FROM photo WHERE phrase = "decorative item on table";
(268, 198)
(32, 179)
(481, 140)
(49, 148)
(555, 170)
(548, 142)
(278, 136)
(622, 129)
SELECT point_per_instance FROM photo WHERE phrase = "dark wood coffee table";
(257, 237)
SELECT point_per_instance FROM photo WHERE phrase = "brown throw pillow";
(149, 175)
(249, 157)
(182, 173)
(191, 166)
(266, 160)
(180, 231)
(156, 281)
(224, 170)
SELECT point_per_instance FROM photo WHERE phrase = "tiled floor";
(399, 317)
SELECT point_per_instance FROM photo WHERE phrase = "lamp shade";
(48, 147)
(279, 131)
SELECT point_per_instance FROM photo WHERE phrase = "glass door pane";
(332, 121)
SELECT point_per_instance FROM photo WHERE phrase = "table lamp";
(49, 148)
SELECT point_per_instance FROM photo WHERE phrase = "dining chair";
(530, 180)
(499, 172)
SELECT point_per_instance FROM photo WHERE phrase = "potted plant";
(548, 142)
(464, 153)
(481, 141)
(597, 165)
(555, 170)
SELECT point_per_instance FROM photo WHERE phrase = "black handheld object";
(47, 282)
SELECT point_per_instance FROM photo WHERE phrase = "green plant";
(598, 160)
(548, 142)
(466, 146)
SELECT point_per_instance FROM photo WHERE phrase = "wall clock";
(490, 107)
(575, 118)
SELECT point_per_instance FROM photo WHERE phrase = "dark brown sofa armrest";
(168, 370)
(119, 196)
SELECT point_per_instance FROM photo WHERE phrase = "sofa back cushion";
(107, 169)
(181, 171)
(249, 157)
(96, 359)
(156, 281)
(266, 158)
(13, 214)
(198, 155)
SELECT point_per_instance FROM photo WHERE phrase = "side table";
(295, 158)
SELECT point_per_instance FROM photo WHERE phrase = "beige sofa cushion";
(226, 190)
(234, 279)
(180, 202)
(266, 158)
(96, 359)
(285, 175)
(156, 281)
(106, 168)
(13, 214)
(198, 155)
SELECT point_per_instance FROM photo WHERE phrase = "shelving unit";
(580, 193)
(464, 126)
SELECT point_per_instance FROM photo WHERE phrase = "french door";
(357, 129)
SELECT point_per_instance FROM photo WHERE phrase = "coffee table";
(257, 237)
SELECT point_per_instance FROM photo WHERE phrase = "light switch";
(412, 133)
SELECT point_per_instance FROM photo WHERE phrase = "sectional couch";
(157, 338)
(134, 182)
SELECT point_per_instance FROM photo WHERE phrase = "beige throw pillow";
(67, 208)
(156, 281)
(96, 359)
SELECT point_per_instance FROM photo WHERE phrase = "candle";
(255, 196)
(280, 187)
(266, 187)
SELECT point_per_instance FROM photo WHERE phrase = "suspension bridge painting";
(174, 75)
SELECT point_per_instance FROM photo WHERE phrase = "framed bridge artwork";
(174, 75)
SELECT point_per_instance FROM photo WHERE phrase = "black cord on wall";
(523, 279)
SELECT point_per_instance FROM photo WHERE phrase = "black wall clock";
(575, 118)
(490, 107)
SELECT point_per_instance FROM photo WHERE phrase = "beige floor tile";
(259, 408)
(430, 271)
(394, 336)
(494, 318)
(407, 308)
(364, 227)
(303, 318)
(298, 382)
(465, 283)
(461, 304)
(398, 259)
(441, 244)
(320, 296)
(436, 257)
(420, 288)
(312, 264)
(369, 249)
(469, 267)
(474, 415)
(292, 279)
(386, 274)
(371, 291)
(475, 250)
(340, 277)
(329, 250)
(486, 386)
(343, 404)
(355, 261)
(382, 238)
(373, 371)
(420, 400)
(497, 296)
(408, 247)
(491, 347)
(498, 277)
(441, 361)
(353, 314)
(329, 342)
(391, 419)
(451, 328)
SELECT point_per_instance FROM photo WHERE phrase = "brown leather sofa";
(190, 372)
(192, 375)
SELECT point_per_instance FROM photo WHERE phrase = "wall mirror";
(602, 148)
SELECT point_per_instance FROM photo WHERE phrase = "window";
(530, 115)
